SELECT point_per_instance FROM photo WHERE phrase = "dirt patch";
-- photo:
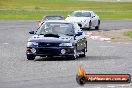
(115, 35)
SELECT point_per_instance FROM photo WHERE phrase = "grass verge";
(38, 14)
(124, 35)
(36, 9)
(128, 33)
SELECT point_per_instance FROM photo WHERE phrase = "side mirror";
(93, 16)
(79, 33)
(31, 32)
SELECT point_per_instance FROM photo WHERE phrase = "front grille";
(48, 44)
(48, 51)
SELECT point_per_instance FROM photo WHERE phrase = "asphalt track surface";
(102, 58)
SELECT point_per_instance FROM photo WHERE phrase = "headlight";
(65, 44)
(32, 43)
(33, 50)
(35, 43)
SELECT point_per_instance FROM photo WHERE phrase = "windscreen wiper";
(69, 34)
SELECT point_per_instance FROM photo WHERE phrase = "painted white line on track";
(87, 87)
(111, 86)
(108, 41)
(127, 85)
(128, 43)
(106, 46)
(5, 43)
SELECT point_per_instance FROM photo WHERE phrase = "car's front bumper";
(50, 51)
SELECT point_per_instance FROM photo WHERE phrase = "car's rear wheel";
(30, 57)
(97, 27)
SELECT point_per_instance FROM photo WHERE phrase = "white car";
(85, 19)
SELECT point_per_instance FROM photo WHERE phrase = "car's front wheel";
(97, 27)
(74, 56)
(84, 51)
(90, 24)
(30, 57)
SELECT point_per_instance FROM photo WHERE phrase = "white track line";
(5, 43)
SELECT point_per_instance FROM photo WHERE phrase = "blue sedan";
(57, 38)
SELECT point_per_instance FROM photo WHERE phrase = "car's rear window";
(81, 14)
(53, 18)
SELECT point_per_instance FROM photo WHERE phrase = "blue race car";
(57, 38)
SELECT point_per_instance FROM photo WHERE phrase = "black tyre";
(84, 51)
(30, 57)
(97, 27)
(90, 24)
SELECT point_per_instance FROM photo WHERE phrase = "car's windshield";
(53, 18)
(81, 14)
(56, 28)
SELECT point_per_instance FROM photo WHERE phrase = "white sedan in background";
(85, 19)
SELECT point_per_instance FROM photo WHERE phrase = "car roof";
(53, 16)
(61, 21)
(83, 11)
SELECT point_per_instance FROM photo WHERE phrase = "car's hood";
(77, 19)
(41, 38)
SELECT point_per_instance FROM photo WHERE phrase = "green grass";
(36, 9)
(28, 14)
(38, 14)
(128, 33)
